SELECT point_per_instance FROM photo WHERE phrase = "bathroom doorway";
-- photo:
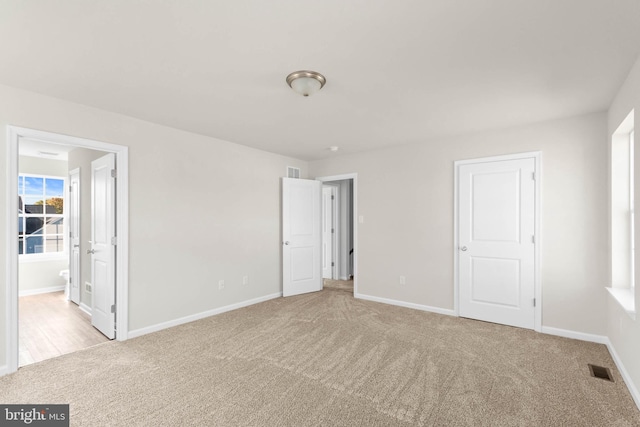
(54, 305)
(54, 287)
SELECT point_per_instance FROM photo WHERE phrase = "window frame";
(46, 256)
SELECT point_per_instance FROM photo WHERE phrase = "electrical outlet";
(220, 285)
(403, 280)
(87, 287)
(245, 280)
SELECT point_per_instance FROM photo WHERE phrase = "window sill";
(626, 299)
(42, 257)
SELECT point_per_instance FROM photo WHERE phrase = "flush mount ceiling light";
(306, 82)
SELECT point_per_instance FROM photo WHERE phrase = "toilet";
(65, 274)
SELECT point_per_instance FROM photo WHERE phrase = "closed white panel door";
(103, 230)
(496, 256)
(301, 236)
(327, 232)
(74, 234)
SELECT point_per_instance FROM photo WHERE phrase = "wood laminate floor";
(50, 326)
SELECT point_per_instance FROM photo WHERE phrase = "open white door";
(103, 232)
(74, 234)
(327, 232)
(496, 252)
(301, 237)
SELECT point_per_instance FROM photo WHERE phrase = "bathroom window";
(41, 209)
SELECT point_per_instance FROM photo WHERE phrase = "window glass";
(40, 214)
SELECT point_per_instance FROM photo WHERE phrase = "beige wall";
(406, 197)
(41, 166)
(622, 330)
(33, 275)
(82, 158)
(201, 209)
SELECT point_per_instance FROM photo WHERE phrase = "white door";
(74, 236)
(103, 230)
(301, 237)
(327, 232)
(496, 257)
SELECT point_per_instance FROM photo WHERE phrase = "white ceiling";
(46, 150)
(397, 71)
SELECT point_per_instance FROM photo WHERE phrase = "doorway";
(339, 230)
(302, 236)
(36, 244)
(497, 239)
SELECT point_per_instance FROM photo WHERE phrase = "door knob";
(464, 248)
(91, 251)
(286, 243)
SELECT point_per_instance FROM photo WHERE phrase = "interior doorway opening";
(339, 229)
(50, 294)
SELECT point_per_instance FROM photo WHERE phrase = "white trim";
(537, 156)
(193, 317)
(4, 370)
(14, 134)
(39, 291)
(582, 336)
(633, 390)
(84, 307)
(420, 307)
(11, 283)
(354, 195)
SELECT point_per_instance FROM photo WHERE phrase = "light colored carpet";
(327, 359)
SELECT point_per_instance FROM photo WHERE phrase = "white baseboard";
(4, 370)
(344, 278)
(635, 394)
(84, 307)
(420, 307)
(164, 325)
(38, 291)
(599, 339)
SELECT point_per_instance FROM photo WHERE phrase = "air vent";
(293, 172)
(600, 372)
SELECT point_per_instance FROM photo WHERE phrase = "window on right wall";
(623, 215)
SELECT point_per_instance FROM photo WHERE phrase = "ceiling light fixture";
(306, 82)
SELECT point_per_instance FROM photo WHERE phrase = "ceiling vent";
(293, 172)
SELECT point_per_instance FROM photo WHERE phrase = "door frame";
(537, 157)
(14, 134)
(354, 195)
(335, 224)
(75, 278)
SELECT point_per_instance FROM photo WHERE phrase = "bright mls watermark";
(34, 415)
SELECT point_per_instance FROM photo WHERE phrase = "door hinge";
(70, 233)
(533, 176)
(70, 280)
(333, 197)
(533, 239)
(332, 264)
(534, 302)
(113, 308)
(70, 188)
(114, 173)
(114, 241)
(333, 230)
